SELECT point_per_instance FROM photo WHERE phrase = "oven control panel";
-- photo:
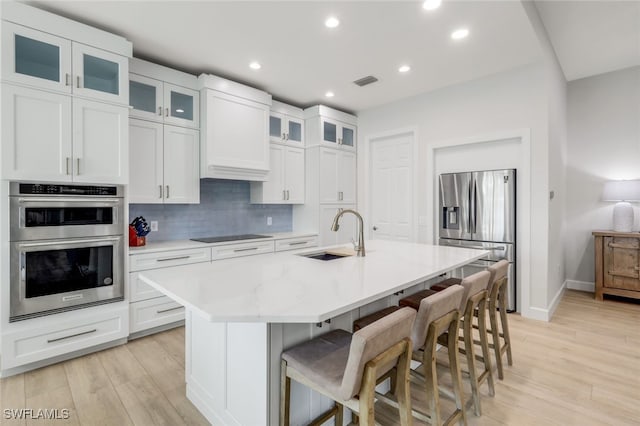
(48, 189)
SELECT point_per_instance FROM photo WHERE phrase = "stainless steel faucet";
(359, 245)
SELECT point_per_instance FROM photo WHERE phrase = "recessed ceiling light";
(255, 65)
(460, 34)
(404, 68)
(431, 4)
(329, 94)
(331, 22)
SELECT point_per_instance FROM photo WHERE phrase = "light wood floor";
(582, 368)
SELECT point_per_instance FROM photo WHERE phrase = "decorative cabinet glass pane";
(37, 59)
(295, 131)
(142, 96)
(181, 106)
(330, 131)
(101, 75)
(347, 136)
(275, 127)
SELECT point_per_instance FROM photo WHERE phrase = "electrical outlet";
(269, 221)
(154, 225)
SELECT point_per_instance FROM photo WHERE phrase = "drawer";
(145, 261)
(241, 249)
(153, 313)
(139, 290)
(59, 338)
(296, 243)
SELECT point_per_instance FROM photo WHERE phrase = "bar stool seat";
(446, 283)
(361, 323)
(413, 301)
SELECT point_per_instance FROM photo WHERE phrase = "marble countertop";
(159, 246)
(288, 288)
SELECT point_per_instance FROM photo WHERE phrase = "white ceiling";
(593, 37)
(302, 59)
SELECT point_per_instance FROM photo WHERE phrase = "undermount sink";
(323, 255)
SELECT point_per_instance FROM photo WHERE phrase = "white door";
(273, 188)
(181, 106)
(100, 142)
(347, 177)
(36, 134)
(145, 97)
(145, 162)
(99, 74)
(294, 175)
(329, 175)
(181, 172)
(391, 187)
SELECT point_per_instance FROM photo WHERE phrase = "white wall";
(499, 103)
(603, 144)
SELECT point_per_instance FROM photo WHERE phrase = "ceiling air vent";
(365, 80)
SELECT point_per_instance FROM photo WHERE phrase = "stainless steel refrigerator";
(478, 210)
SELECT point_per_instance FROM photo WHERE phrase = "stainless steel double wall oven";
(66, 247)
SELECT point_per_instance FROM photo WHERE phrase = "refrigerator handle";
(472, 206)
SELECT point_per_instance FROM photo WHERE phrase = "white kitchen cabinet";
(38, 152)
(296, 243)
(161, 101)
(100, 142)
(285, 182)
(235, 130)
(101, 75)
(337, 176)
(164, 164)
(348, 225)
(287, 129)
(337, 134)
(153, 313)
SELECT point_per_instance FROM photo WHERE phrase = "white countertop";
(158, 246)
(288, 288)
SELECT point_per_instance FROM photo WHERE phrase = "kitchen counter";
(242, 313)
(287, 287)
(160, 246)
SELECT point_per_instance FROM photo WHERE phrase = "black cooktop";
(229, 238)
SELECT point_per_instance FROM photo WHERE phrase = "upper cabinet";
(45, 61)
(286, 124)
(164, 95)
(235, 130)
(330, 128)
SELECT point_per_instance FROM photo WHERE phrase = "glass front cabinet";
(45, 61)
(337, 134)
(286, 129)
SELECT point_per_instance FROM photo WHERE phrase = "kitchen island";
(242, 313)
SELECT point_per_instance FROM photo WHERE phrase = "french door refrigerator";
(478, 211)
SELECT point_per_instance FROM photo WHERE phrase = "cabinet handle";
(67, 79)
(284, 135)
(162, 311)
(287, 194)
(166, 112)
(246, 249)
(77, 166)
(167, 191)
(287, 136)
(73, 335)
(160, 111)
(67, 163)
(78, 81)
(297, 243)
(160, 187)
(166, 259)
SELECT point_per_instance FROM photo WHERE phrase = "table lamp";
(622, 191)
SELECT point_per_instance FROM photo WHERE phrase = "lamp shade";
(621, 190)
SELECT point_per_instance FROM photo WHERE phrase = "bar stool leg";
(285, 394)
(401, 390)
(505, 324)
(339, 415)
(471, 361)
(431, 381)
(456, 377)
(493, 313)
(484, 343)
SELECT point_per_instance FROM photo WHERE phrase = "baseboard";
(581, 285)
(556, 300)
(545, 314)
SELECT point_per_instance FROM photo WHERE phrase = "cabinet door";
(35, 58)
(99, 74)
(145, 162)
(277, 131)
(274, 187)
(329, 175)
(294, 175)
(348, 136)
(181, 106)
(100, 142)
(145, 97)
(181, 173)
(295, 131)
(347, 177)
(329, 129)
(36, 134)
(622, 263)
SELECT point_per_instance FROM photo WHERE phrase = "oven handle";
(68, 242)
(69, 200)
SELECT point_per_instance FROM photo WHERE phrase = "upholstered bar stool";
(501, 341)
(345, 367)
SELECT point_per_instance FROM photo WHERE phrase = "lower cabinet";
(152, 313)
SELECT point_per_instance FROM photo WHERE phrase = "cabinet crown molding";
(325, 111)
(209, 81)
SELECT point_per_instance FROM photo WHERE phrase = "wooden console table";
(617, 262)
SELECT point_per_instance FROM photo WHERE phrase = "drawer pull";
(173, 258)
(622, 246)
(73, 335)
(162, 311)
(246, 249)
(298, 243)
